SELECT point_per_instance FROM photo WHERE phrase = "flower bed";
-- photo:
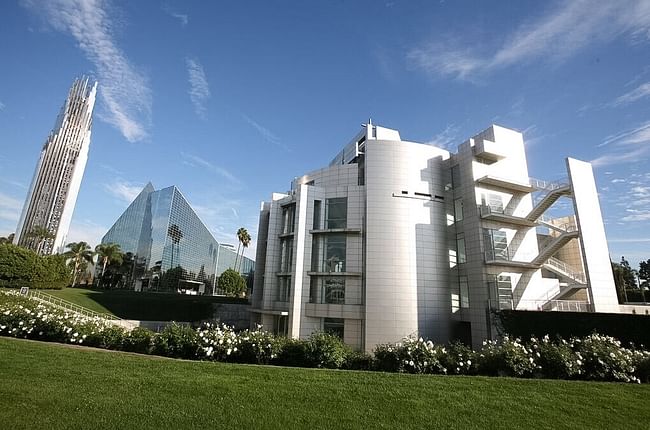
(593, 357)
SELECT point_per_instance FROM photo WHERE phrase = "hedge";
(21, 267)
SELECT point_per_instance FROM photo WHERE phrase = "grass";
(133, 305)
(53, 386)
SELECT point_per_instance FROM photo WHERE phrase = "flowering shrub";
(506, 357)
(593, 357)
(556, 360)
(603, 359)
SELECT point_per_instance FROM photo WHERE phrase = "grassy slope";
(53, 386)
(141, 306)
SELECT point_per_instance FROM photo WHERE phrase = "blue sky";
(230, 100)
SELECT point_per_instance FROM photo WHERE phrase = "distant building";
(172, 248)
(53, 192)
(396, 238)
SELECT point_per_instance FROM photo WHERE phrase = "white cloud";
(2, 106)
(637, 215)
(124, 90)
(181, 17)
(87, 231)
(446, 139)
(551, 37)
(638, 240)
(639, 92)
(267, 134)
(195, 161)
(627, 146)
(123, 190)
(199, 89)
(10, 208)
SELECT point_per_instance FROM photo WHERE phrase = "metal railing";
(542, 305)
(68, 306)
(543, 185)
(566, 270)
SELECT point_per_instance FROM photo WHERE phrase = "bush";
(459, 360)
(21, 267)
(325, 350)
(292, 353)
(358, 360)
(258, 347)
(642, 366)
(387, 358)
(177, 341)
(505, 357)
(556, 360)
(139, 340)
(603, 359)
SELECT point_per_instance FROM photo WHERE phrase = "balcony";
(542, 305)
(505, 258)
(500, 215)
(509, 185)
(336, 230)
(489, 151)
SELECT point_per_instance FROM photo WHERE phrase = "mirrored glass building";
(173, 250)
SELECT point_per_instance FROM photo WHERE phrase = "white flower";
(531, 359)
(229, 351)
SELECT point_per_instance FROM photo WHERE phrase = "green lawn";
(52, 386)
(128, 304)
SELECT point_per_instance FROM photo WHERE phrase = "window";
(336, 212)
(334, 256)
(496, 244)
(334, 291)
(493, 201)
(286, 260)
(500, 290)
(281, 325)
(334, 326)
(284, 288)
(316, 224)
(288, 218)
(464, 291)
(455, 177)
(458, 210)
(460, 248)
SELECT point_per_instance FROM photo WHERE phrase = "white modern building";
(396, 238)
(55, 185)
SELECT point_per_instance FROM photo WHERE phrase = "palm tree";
(78, 253)
(8, 239)
(41, 234)
(109, 253)
(175, 233)
(244, 240)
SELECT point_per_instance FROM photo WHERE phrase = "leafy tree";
(22, 267)
(8, 239)
(644, 272)
(108, 253)
(232, 283)
(41, 235)
(169, 280)
(78, 252)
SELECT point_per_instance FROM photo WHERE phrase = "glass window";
(493, 201)
(337, 212)
(460, 248)
(455, 176)
(317, 205)
(288, 218)
(496, 244)
(334, 326)
(334, 256)
(281, 325)
(287, 254)
(464, 291)
(458, 210)
(284, 288)
(334, 291)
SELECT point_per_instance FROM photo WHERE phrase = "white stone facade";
(53, 192)
(398, 238)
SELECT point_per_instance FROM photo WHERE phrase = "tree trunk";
(104, 268)
(237, 256)
(76, 269)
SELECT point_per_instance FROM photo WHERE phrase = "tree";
(42, 235)
(231, 283)
(244, 240)
(175, 233)
(644, 272)
(108, 253)
(8, 239)
(78, 252)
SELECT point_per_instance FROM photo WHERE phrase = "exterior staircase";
(65, 305)
(554, 190)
